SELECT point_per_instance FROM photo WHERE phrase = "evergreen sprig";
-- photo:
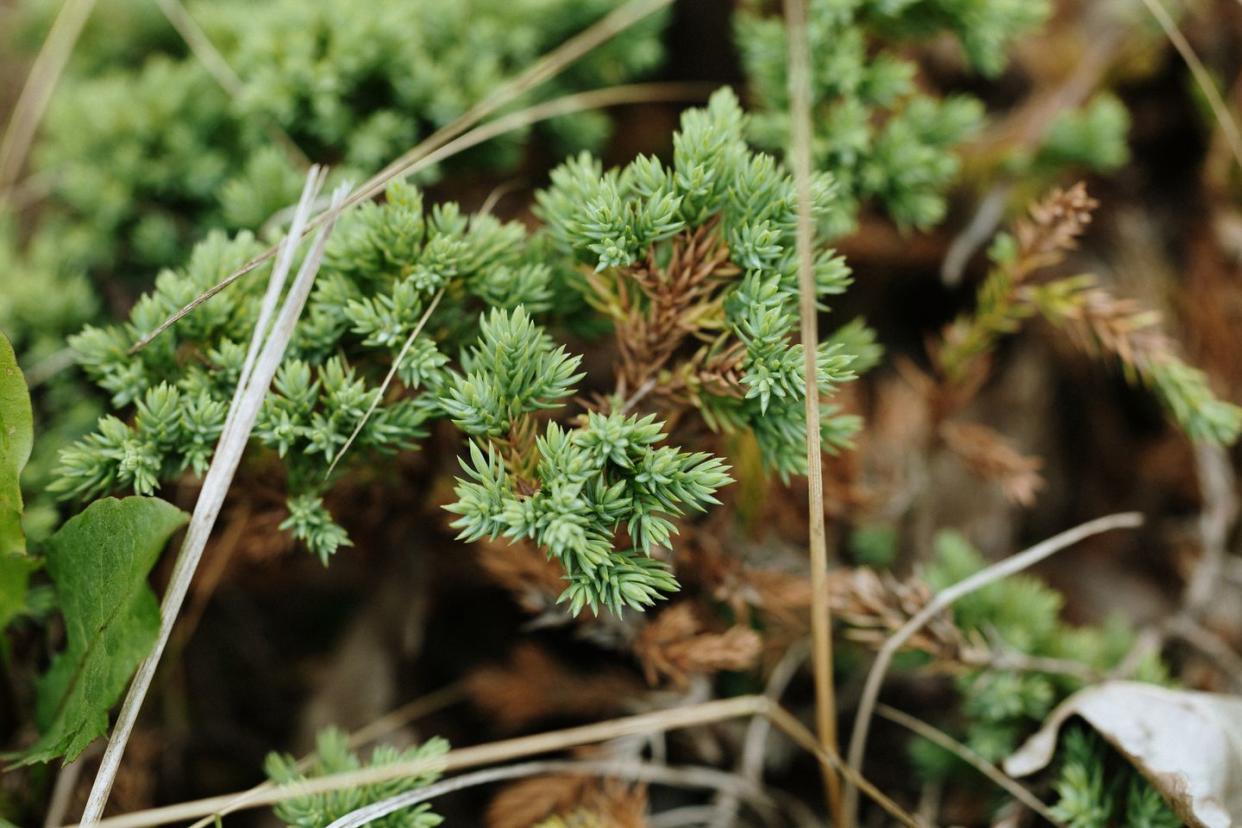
(381, 273)
(1096, 788)
(882, 137)
(702, 251)
(332, 755)
(571, 490)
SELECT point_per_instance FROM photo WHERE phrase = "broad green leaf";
(16, 436)
(99, 561)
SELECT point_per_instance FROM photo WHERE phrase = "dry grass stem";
(639, 725)
(821, 621)
(1203, 79)
(388, 378)
(260, 367)
(35, 95)
(682, 777)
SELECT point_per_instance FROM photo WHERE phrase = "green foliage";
(1146, 355)
(332, 755)
(136, 159)
(1096, 788)
(716, 186)
(366, 87)
(874, 545)
(16, 438)
(99, 561)
(881, 138)
(383, 268)
(983, 27)
(1022, 614)
(146, 156)
(514, 369)
(1092, 137)
(601, 494)
(588, 482)
(1098, 321)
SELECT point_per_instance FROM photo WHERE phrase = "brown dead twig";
(962, 356)
(875, 606)
(1042, 239)
(534, 579)
(971, 758)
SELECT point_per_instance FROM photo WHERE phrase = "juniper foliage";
(381, 270)
(600, 490)
(145, 156)
(694, 262)
(1022, 614)
(332, 755)
(1096, 788)
(882, 137)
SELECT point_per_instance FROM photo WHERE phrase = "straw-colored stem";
(681, 777)
(243, 413)
(35, 95)
(494, 752)
(821, 621)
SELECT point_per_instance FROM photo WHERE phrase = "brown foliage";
(992, 457)
(533, 685)
(658, 307)
(1052, 228)
(675, 646)
(580, 800)
(873, 606)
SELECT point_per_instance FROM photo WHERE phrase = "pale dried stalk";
(1203, 79)
(421, 155)
(509, 749)
(945, 599)
(971, 758)
(682, 777)
(35, 95)
(821, 621)
(243, 412)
